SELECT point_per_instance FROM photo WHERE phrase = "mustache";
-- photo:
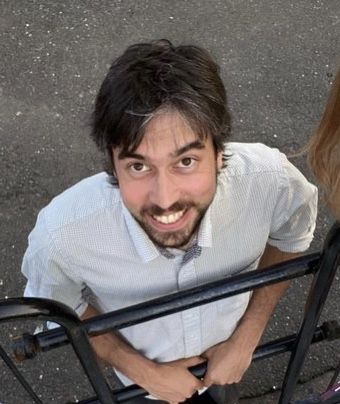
(155, 210)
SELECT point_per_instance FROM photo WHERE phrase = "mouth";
(174, 221)
(169, 219)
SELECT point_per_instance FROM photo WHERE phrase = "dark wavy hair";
(149, 77)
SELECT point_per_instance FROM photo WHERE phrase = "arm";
(169, 381)
(291, 229)
(50, 275)
(228, 361)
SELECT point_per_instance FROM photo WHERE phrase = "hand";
(172, 381)
(227, 363)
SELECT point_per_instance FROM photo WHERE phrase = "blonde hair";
(324, 150)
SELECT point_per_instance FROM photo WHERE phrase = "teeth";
(170, 218)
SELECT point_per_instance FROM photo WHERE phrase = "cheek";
(134, 194)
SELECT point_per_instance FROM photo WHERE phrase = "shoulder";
(252, 158)
(87, 198)
(256, 163)
(79, 225)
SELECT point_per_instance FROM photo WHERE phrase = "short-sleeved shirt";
(86, 239)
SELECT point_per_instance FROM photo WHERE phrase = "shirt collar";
(204, 236)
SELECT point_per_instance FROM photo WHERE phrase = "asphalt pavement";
(277, 57)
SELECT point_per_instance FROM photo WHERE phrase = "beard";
(173, 239)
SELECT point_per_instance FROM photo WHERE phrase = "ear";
(219, 161)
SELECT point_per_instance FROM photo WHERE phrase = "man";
(179, 207)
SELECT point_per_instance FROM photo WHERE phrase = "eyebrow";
(126, 155)
(196, 144)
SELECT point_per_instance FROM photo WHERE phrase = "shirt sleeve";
(294, 216)
(48, 273)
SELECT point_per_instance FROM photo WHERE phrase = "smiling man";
(170, 182)
(179, 206)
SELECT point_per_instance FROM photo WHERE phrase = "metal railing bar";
(323, 266)
(11, 365)
(45, 309)
(323, 279)
(335, 376)
(264, 351)
(176, 302)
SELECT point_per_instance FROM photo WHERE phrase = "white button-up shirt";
(86, 239)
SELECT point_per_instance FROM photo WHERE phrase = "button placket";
(191, 317)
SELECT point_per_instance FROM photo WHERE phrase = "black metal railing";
(322, 266)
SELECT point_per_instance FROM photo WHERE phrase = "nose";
(165, 190)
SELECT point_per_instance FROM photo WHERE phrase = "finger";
(194, 360)
(207, 382)
(187, 362)
(206, 354)
(198, 385)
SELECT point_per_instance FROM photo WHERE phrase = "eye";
(187, 162)
(138, 167)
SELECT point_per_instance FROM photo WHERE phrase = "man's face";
(169, 181)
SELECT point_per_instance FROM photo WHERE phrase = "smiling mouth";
(169, 219)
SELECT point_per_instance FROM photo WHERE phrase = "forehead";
(167, 131)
